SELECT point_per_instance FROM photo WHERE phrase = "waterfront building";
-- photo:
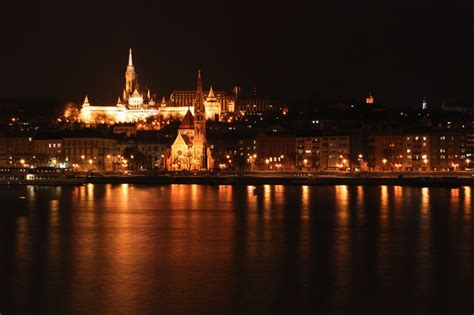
(323, 153)
(48, 149)
(275, 151)
(17, 149)
(433, 150)
(448, 150)
(190, 149)
(90, 151)
(402, 151)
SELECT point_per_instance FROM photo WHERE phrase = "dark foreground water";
(196, 249)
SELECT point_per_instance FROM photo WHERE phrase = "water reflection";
(252, 249)
(467, 200)
(342, 244)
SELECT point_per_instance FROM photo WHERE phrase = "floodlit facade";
(132, 106)
(180, 102)
(190, 151)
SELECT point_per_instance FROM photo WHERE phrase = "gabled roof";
(187, 140)
(188, 121)
(183, 138)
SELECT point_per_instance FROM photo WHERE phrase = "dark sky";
(289, 50)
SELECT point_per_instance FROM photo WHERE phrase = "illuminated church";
(190, 151)
(132, 105)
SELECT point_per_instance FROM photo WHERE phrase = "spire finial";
(130, 62)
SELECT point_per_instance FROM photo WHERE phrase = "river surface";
(197, 249)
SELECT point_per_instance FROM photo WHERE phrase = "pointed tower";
(130, 78)
(86, 101)
(212, 105)
(211, 93)
(200, 127)
(86, 111)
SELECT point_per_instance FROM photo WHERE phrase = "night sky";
(289, 50)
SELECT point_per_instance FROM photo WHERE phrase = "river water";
(197, 249)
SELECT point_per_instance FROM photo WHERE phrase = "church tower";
(200, 127)
(130, 78)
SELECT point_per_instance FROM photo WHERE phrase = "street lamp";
(467, 163)
(384, 161)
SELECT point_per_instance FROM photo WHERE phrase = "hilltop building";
(216, 103)
(131, 106)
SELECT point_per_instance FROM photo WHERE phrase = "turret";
(86, 101)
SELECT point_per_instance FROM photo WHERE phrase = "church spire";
(199, 94)
(130, 61)
(86, 100)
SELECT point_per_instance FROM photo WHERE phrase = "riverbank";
(285, 179)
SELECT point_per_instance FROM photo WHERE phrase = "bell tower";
(200, 127)
(130, 77)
